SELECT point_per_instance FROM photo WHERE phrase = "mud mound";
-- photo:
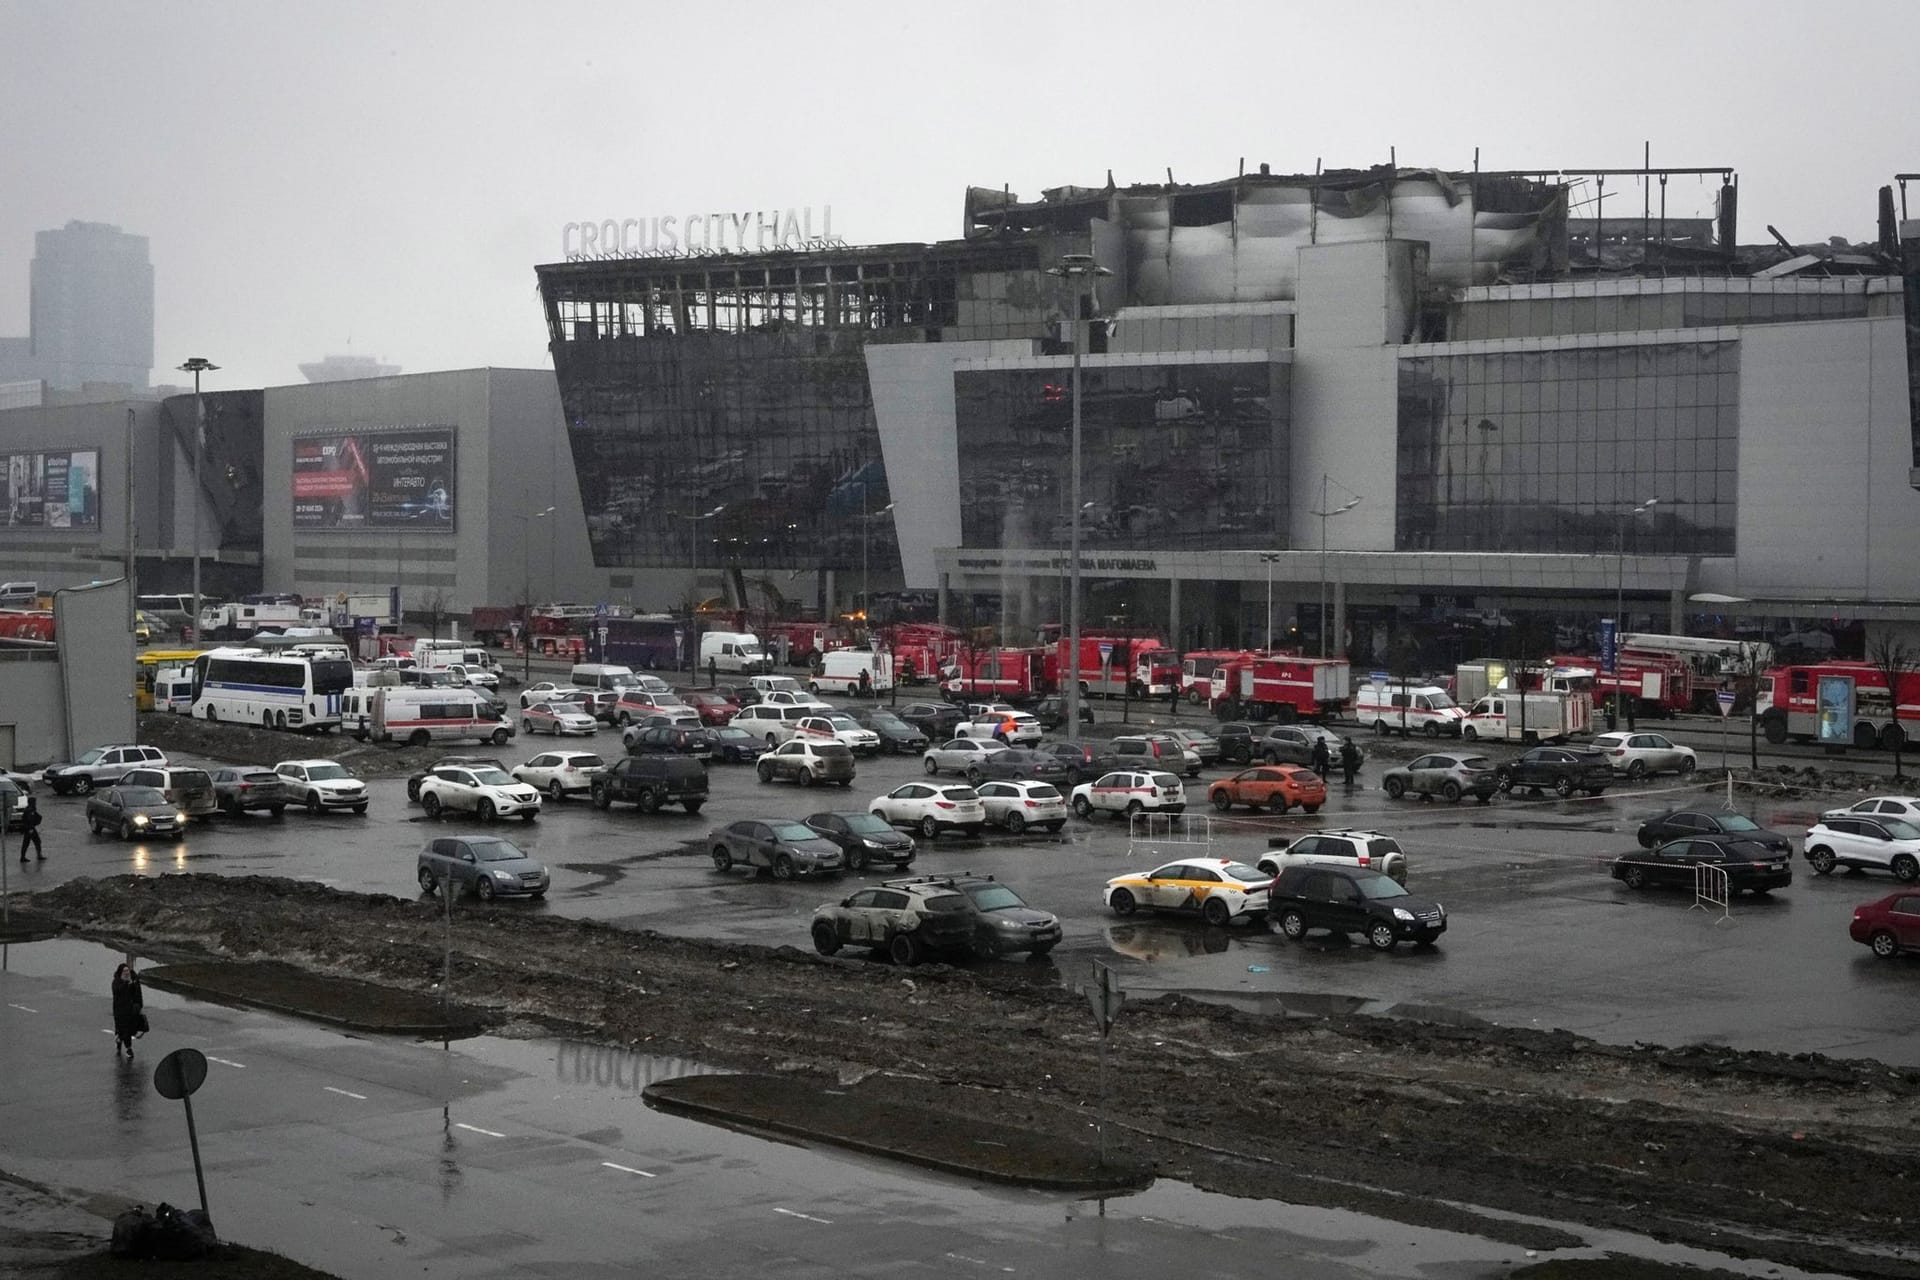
(250, 744)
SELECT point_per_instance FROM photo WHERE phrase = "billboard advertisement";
(57, 489)
(385, 479)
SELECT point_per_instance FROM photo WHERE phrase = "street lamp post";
(1620, 600)
(197, 365)
(1270, 557)
(1324, 513)
(1077, 269)
(693, 610)
(866, 560)
(526, 520)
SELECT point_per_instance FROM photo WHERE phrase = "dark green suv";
(652, 781)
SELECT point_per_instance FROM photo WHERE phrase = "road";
(1540, 936)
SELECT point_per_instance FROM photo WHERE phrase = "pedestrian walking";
(1349, 761)
(129, 1013)
(866, 684)
(1173, 699)
(30, 829)
(1322, 758)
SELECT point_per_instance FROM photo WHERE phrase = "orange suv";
(1270, 786)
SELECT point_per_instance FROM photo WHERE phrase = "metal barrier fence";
(1150, 832)
(1710, 890)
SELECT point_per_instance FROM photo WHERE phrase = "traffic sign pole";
(1106, 997)
(1725, 700)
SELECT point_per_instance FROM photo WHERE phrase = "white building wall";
(1826, 511)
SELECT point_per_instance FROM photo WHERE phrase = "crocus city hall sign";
(698, 234)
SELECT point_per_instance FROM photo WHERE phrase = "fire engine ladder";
(1170, 835)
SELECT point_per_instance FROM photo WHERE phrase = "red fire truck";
(1198, 665)
(1114, 664)
(1788, 703)
(1012, 675)
(26, 624)
(921, 649)
(1285, 688)
(1660, 683)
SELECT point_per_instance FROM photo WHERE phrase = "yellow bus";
(147, 668)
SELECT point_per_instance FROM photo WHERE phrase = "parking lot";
(1539, 934)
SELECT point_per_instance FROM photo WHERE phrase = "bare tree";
(435, 607)
(1893, 658)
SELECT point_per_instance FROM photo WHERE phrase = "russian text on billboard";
(397, 479)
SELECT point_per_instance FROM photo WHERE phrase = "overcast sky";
(324, 176)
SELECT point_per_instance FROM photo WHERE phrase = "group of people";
(1349, 760)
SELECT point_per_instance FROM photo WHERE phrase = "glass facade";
(1175, 456)
(1541, 451)
(1660, 304)
(774, 429)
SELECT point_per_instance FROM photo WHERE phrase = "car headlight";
(1401, 913)
(505, 875)
(1009, 925)
(180, 817)
(139, 819)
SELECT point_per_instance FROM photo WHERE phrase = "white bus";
(277, 692)
(417, 716)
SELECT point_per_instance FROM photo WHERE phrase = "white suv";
(1124, 792)
(1865, 840)
(1641, 755)
(1367, 849)
(323, 784)
(844, 729)
(932, 807)
(483, 790)
(772, 722)
(101, 766)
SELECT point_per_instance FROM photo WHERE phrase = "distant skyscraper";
(347, 369)
(92, 307)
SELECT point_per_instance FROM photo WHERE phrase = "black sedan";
(1348, 900)
(735, 745)
(133, 813)
(780, 845)
(1565, 769)
(897, 737)
(1750, 865)
(935, 719)
(1682, 823)
(1020, 764)
(864, 838)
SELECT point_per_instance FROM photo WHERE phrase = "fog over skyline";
(381, 179)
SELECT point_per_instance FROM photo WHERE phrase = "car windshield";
(1901, 830)
(141, 795)
(793, 831)
(887, 720)
(865, 824)
(623, 681)
(91, 756)
(782, 684)
(1737, 822)
(733, 732)
(1380, 887)
(1243, 873)
(495, 850)
(993, 897)
(326, 773)
(493, 777)
(843, 722)
(1439, 701)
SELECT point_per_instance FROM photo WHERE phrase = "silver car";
(487, 865)
(1447, 774)
(960, 755)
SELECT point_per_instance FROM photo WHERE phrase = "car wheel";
(1305, 808)
(1563, 787)
(692, 806)
(974, 775)
(856, 859)
(277, 811)
(722, 859)
(1056, 826)
(1885, 945)
(806, 777)
(1221, 801)
(929, 828)
(1293, 924)
(782, 867)
(313, 802)
(556, 792)
(500, 737)
(1450, 791)
(427, 882)
(1216, 911)
(1134, 808)
(1821, 859)
(1906, 868)
(126, 831)
(931, 767)
(1636, 770)
(1469, 734)
(1381, 936)
(1503, 779)
(485, 811)
(1380, 728)
(83, 785)
(825, 939)
(94, 824)
(1082, 807)
(1016, 821)
(1634, 877)
(904, 949)
(766, 774)
(1646, 839)
(1394, 787)
(1122, 902)
(1431, 729)
(602, 798)
(526, 727)
(484, 887)
(431, 803)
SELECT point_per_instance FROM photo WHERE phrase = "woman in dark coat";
(128, 1016)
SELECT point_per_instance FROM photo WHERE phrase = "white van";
(602, 675)
(1412, 708)
(735, 652)
(840, 672)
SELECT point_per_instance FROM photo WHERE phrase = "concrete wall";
(1826, 511)
(70, 557)
(56, 703)
(33, 722)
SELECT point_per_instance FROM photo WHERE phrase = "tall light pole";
(866, 559)
(526, 520)
(197, 365)
(1270, 557)
(1620, 597)
(1324, 513)
(693, 609)
(1077, 269)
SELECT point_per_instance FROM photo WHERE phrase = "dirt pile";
(1801, 1159)
(250, 744)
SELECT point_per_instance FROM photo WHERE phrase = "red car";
(1889, 926)
(714, 708)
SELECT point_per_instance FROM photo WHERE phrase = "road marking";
(476, 1129)
(22, 1008)
(624, 1169)
(793, 1213)
(223, 1062)
(345, 1093)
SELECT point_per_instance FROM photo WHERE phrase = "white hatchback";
(932, 807)
(1126, 792)
(1640, 755)
(1906, 808)
(1017, 805)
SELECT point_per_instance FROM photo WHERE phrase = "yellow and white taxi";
(1218, 890)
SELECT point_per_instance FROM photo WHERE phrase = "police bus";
(286, 691)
